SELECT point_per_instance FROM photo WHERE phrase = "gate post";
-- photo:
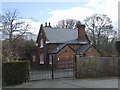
(118, 47)
(118, 50)
(75, 66)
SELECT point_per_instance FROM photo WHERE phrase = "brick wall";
(65, 58)
(92, 52)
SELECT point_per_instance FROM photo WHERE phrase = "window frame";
(41, 59)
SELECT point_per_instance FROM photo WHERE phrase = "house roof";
(60, 35)
(83, 49)
(77, 41)
(57, 49)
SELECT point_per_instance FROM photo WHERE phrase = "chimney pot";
(46, 24)
(49, 24)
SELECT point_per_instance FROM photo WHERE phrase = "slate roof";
(57, 49)
(59, 35)
(83, 49)
(76, 41)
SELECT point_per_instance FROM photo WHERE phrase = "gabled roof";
(61, 35)
(77, 41)
(57, 49)
(83, 49)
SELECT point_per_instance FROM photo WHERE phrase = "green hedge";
(96, 67)
(15, 72)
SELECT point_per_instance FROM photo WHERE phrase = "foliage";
(12, 24)
(97, 67)
(68, 23)
(15, 72)
(99, 25)
(107, 47)
(21, 49)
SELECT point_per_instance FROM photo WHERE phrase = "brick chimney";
(81, 32)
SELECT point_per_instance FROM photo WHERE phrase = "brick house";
(61, 45)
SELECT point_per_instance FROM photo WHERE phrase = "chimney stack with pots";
(81, 32)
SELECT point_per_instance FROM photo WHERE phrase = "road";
(71, 83)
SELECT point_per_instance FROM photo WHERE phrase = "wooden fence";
(96, 67)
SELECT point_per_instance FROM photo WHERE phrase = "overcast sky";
(47, 11)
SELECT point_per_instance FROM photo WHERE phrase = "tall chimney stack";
(81, 32)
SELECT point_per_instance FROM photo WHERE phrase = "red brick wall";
(65, 58)
(41, 50)
(92, 52)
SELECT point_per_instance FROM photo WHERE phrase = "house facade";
(59, 46)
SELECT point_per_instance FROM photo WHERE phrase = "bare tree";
(68, 23)
(12, 24)
(98, 25)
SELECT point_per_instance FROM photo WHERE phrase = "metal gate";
(51, 71)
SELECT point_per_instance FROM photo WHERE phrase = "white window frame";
(34, 58)
(36, 44)
(41, 43)
(41, 59)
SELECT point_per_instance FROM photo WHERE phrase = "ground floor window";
(34, 58)
(50, 59)
(41, 59)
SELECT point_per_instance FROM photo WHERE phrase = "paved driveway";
(71, 83)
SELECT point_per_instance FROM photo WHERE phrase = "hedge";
(15, 72)
(96, 67)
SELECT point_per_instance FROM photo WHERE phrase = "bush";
(97, 67)
(15, 72)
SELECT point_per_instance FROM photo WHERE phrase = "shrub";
(97, 67)
(15, 72)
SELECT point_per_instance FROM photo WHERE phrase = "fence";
(96, 67)
(83, 67)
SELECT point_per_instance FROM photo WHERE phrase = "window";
(41, 34)
(41, 43)
(50, 59)
(41, 59)
(34, 58)
(36, 44)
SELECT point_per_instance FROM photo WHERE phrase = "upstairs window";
(41, 43)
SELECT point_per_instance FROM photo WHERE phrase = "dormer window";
(41, 43)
